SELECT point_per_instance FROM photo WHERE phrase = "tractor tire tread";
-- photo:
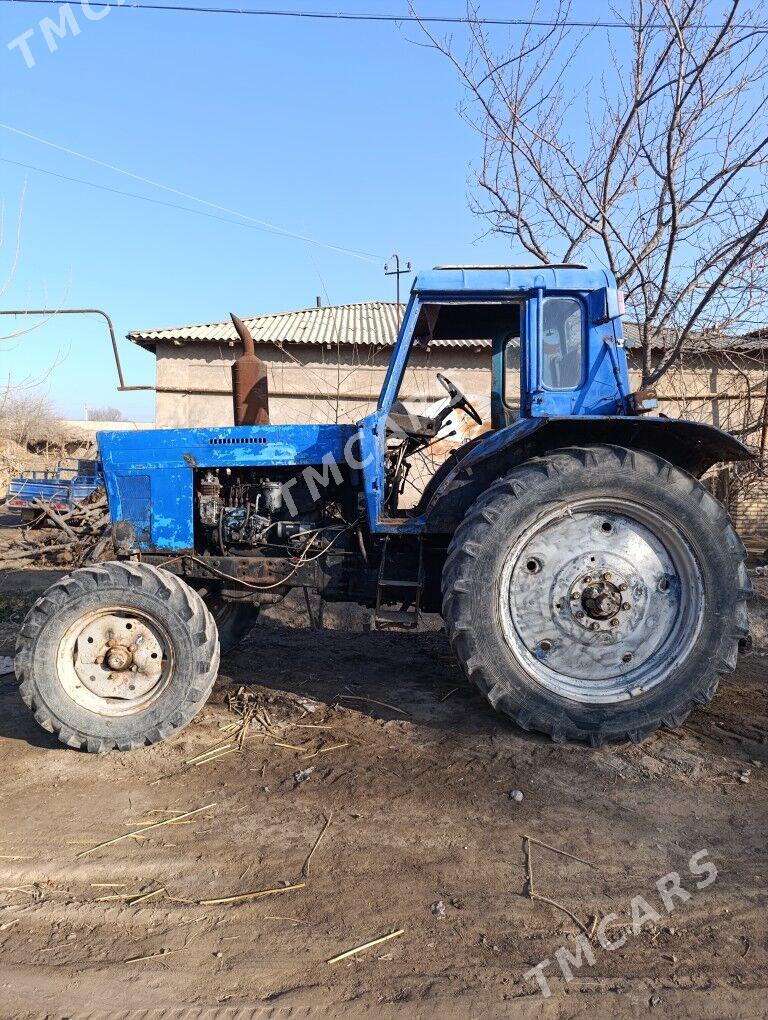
(182, 600)
(525, 480)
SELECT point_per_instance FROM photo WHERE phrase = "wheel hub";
(598, 600)
(117, 656)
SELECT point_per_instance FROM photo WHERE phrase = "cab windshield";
(445, 393)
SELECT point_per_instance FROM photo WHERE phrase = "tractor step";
(391, 619)
(408, 616)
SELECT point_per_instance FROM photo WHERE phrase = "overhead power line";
(432, 19)
(249, 220)
(132, 194)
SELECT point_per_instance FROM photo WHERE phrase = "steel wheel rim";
(137, 661)
(645, 600)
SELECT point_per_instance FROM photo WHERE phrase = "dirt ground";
(419, 834)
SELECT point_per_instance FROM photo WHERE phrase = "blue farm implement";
(590, 585)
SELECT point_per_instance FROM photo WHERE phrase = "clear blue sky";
(344, 131)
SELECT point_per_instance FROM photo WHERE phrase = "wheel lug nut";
(579, 615)
(575, 595)
(607, 576)
(626, 606)
(587, 579)
(614, 622)
(594, 626)
(622, 586)
(626, 657)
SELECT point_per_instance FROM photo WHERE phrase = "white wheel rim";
(115, 661)
(600, 599)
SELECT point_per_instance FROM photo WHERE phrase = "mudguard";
(690, 445)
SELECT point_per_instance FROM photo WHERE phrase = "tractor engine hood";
(149, 474)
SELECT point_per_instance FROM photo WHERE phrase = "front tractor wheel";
(117, 656)
(596, 594)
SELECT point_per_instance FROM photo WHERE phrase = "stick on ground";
(366, 945)
(214, 757)
(251, 895)
(372, 701)
(205, 754)
(555, 850)
(532, 895)
(146, 828)
(305, 866)
(156, 956)
(322, 750)
(133, 900)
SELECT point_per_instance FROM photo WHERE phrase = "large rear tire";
(118, 655)
(596, 594)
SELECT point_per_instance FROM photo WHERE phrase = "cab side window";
(562, 343)
(511, 393)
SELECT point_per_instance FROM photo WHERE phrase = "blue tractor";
(591, 587)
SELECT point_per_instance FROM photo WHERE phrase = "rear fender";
(689, 445)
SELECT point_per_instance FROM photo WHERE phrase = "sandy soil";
(423, 836)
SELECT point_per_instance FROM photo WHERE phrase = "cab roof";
(513, 279)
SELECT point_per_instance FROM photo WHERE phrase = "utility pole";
(397, 272)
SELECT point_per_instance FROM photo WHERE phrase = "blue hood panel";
(149, 474)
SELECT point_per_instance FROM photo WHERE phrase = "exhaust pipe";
(250, 387)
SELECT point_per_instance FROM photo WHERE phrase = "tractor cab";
(554, 347)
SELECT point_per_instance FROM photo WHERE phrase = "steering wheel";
(458, 400)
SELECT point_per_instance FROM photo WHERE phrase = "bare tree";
(27, 416)
(105, 414)
(647, 153)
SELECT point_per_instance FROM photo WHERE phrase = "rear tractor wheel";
(117, 656)
(596, 594)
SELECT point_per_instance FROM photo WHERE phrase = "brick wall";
(747, 502)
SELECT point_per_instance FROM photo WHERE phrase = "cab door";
(569, 367)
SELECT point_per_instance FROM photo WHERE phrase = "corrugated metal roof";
(697, 343)
(373, 323)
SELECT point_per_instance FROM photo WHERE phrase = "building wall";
(687, 391)
(308, 383)
(748, 507)
(91, 427)
(320, 384)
